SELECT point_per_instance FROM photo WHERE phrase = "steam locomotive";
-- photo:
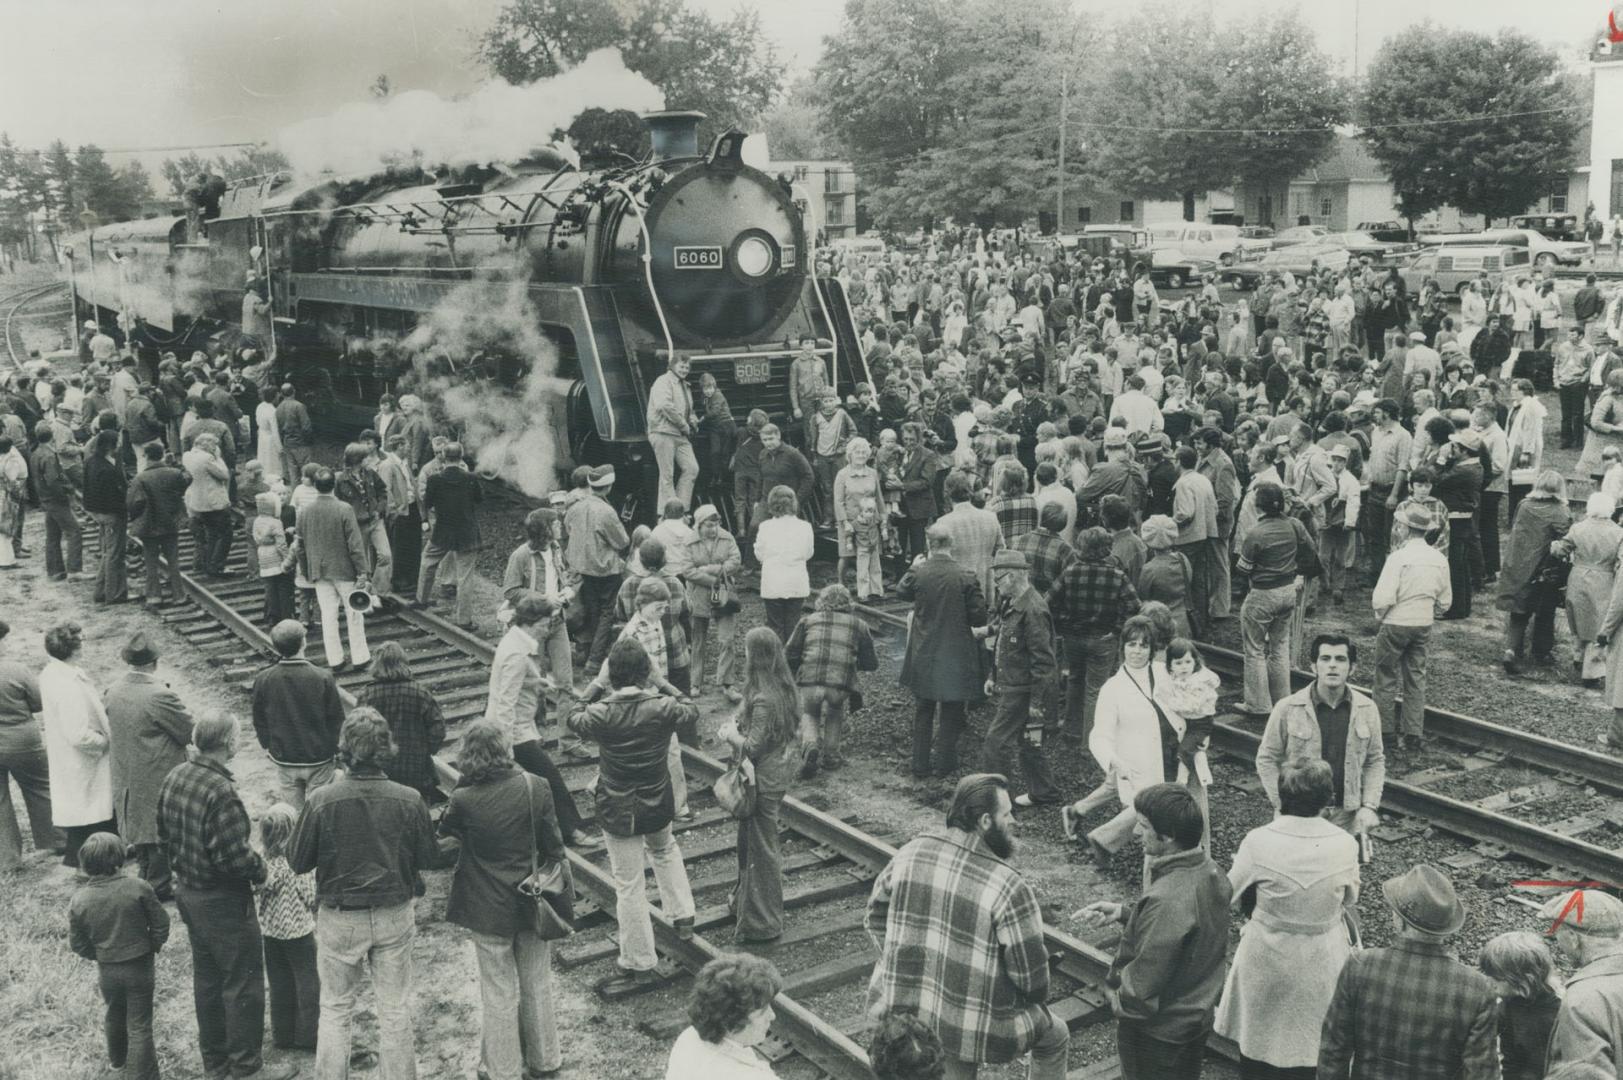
(689, 253)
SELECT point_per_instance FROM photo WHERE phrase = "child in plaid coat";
(826, 651)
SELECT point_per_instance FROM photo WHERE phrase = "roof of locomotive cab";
(156, 230)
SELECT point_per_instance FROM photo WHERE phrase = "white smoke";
(496, 122)
(514, 431)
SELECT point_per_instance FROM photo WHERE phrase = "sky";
(159, 73)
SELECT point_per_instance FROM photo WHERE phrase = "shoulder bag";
(549, 891)
(735, 793)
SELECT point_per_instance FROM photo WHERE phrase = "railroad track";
(829, 863)
(13, 305)
(1489, 793)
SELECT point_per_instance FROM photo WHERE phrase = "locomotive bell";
(674, 133)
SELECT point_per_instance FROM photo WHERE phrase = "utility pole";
(1064, 104)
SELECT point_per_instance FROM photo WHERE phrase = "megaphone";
(363, 600)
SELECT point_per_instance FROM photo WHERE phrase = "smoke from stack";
(496, 122)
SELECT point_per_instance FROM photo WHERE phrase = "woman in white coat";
(1132, 737)
(269, 452)
(1300, 871)
(76, 743)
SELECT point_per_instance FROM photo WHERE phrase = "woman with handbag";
(501, 823)
(1540, 521)
(767, 753)
(713, 599)
(1301, 872)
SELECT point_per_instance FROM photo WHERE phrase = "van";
(1222, 243)
(1454, 265)
(859, 245)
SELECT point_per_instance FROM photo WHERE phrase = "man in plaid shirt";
(204, 829)
(1089, 603)
(1047, 552)
(982, 993)
(1411, 1009)
(826, 651)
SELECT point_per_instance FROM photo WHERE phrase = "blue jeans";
(1265, 633)
(345, 942)
(127, 989)
(519, 1030)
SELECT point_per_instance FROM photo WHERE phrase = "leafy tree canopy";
(725, 68)
(1422, 107)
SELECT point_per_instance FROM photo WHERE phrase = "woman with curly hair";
(731, 1009)
(763, 740)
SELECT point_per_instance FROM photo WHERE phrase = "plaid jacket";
(960, 941)
(1413, 1012)
(828, 648)
(1015, 517)
(418, 726)
(1092, 597)
(1047, 555)
(204, 827)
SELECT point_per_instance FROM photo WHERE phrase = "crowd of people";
(1071, 480)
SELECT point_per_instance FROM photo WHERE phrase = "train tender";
(693, 253)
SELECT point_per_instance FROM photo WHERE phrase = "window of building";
(801, 172)
(1324, 208)
(1558, 199)
(831, 180)
(833, 212)
(1084, 214)
(1127, 210)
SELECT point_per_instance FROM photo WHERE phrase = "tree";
(601, 135)
(1178, 109)
(998, 162)
(179, 172)
(1484, 124)
(247, 161)
(59, 196)
(104, 191)
(794, 126)
(727, 68)
(882, 82)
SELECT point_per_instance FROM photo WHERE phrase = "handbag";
(723, 600)
(549, 888)
(735, 793)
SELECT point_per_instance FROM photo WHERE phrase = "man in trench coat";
(150, 730)
(943, 666)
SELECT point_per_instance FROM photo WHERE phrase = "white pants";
(333, 595)
(678, 467)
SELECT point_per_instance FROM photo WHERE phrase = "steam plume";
(496, 122)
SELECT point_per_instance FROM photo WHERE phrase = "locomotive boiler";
(688, 252)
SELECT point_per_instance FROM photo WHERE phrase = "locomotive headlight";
(753, 257)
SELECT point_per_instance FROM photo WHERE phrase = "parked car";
(1221, 243)
(1550, 226)
(1256, 232)
(1175, 270)
(1390, 232)
(1453, 265)
(859, 245)
(1541, 249)
(1299, 234)
(1132, 242)
(1298, 259)
(1363, 243)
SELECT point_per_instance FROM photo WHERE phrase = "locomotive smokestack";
(674, 133)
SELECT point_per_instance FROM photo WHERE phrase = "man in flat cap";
(149, 728)
(1023, 679)
(595, 547)
(1411, 1009)
(1587, 1040)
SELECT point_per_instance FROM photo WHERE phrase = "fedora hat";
(139, 650)
(1416, 517)
(1424, 898)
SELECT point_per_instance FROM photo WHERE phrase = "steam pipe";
(647, 262)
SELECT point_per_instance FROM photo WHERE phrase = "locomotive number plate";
(698, 258)
(751, 372)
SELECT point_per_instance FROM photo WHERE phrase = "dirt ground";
(50, 1010)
